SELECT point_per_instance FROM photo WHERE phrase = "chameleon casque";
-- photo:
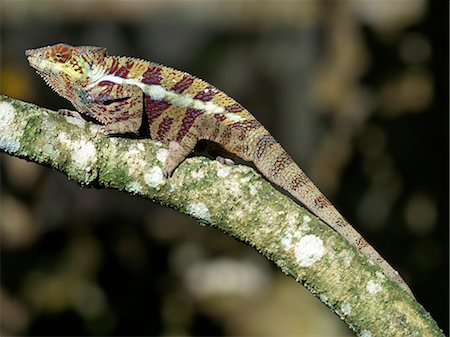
(181, 109)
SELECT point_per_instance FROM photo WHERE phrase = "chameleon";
(179, 110)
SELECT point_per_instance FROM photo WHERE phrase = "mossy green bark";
(236, 199)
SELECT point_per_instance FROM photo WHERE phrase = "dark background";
(357, 92)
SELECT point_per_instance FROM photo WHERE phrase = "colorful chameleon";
(181, 110)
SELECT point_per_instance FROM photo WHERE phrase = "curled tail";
(278, 167)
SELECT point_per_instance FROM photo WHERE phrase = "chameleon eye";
(61, 57)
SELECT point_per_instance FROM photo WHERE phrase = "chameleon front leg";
(118, 107)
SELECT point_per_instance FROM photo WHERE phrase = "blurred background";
(356, 91)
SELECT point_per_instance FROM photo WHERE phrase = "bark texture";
(235, 199)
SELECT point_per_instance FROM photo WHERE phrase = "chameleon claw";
(166, 174)
(168, 169)
(226, 161)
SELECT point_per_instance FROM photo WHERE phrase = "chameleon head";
(62, 63)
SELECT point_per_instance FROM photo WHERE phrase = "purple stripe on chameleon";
(164, 127)
(114, 65)
(264, 142)
(124, 70)
(183, 84)
(154, 108)
(233, 108)
(207, 94)
(152, 75)
(187, 122)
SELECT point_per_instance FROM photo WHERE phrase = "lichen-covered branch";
(235, 199)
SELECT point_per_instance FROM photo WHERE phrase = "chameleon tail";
(277, 166)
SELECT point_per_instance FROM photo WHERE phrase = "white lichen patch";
(83, 153)
(137, 165)
(134, 157)
(200, 174)
(244, 180)
(62, 138)
(223, 171)
(162, 154)
(286, 241)
(254, 188)
(306, 219)
(7, 144)
(9, 136)
(346, 309)
(373, 287)
(234, 187)
(238, 214)
(155, 177)
(134, 187)
(136, 149)
(292, 219)
(366, 333)
(346, 257)
(308, 250)
(7, 114)
(50, 129)
(298, 234)
(198, 210)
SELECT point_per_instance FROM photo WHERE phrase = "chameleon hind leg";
(178, 151)
(202, 128)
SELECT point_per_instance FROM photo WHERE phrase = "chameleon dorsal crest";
(93, 52)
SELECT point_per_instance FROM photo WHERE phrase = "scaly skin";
(181, 110)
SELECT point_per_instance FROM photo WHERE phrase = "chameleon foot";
(177, 153)
(226, 161)
(171, 162)
(70, 113)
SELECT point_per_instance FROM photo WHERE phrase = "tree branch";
(236, 199)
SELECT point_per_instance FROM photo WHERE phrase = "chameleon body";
(181, 110)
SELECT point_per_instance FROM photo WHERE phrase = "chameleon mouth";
(44, 68)
(39, 64)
